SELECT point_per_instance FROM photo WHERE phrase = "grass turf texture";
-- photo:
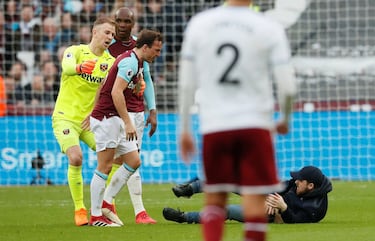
(37, 213)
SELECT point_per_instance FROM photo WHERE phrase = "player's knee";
(75, 157)
(75, 160)
(136, 162)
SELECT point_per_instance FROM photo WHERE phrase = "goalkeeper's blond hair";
(104, 19)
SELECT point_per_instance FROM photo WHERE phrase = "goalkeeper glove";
(86, 67)
(140, 88)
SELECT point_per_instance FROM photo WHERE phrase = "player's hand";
(85, 125)
(130, 132)
(186, 147)
(86, 67)
(151, 120)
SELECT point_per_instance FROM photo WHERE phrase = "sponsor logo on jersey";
(92, 79)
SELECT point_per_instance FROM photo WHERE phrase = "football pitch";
(37, 213)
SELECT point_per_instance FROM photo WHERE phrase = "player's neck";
(138, 52)
(124, 39)
(127, 42)
(97, 50)
(238, 2)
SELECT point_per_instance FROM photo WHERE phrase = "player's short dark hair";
(147, 36)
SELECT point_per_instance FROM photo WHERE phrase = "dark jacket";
(309, 208)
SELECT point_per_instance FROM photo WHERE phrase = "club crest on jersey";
(66, 132)
(103, 67)
(69, 55)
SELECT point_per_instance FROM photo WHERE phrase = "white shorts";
(138, 119)
(110, 133)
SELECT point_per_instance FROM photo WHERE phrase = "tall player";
(232, 66)
(123, 41)
(83, 69)
(114, 129)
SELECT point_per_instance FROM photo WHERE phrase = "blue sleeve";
(127, 68)
(149, 93)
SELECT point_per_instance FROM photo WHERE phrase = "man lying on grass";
(304, 200)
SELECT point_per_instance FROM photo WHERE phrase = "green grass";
(37, 213)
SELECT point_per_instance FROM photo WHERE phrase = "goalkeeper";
(84, 67)
(304, 200)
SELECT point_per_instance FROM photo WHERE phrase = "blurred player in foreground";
(114, 130)
(83, 69)
(304, 200)
(231, 66)
(123, 42)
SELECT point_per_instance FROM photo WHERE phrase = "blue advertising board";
(341, 143)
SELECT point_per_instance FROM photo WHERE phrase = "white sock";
(97, 188)
(135, 191)
(118, 181)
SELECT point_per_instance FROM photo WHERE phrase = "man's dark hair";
(147, 36)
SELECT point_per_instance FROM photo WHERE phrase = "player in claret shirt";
(114, 130)
(124, 41)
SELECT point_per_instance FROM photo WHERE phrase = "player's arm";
(125, 74)
(187, 88)
(186, 78)
(149, 93)
(186, 100)
(69, 60)
(120, 103)
(187, 91)
(149, 96)
(70, 65)
(285, 79)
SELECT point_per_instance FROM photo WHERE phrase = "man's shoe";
(174, 215)
(183, 190)
(102, 221)
(80, 217)
(143, 218)
(109, 211)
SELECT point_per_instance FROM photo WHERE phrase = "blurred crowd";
(35, 33)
